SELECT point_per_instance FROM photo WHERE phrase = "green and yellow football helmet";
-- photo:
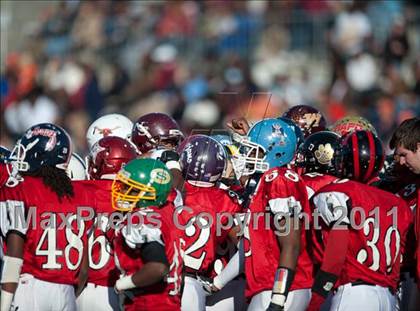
(141, 183)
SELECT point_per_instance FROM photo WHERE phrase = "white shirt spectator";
(362, 72)
(350, 30)
(21, 116)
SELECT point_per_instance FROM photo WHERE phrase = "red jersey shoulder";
(282, 182)
(315, 181)
(212, 198)
(100, 191)
(358, 191)
(4, 174)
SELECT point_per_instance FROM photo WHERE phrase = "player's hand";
(239, 125)
(208, 286)
(117, 291)
(169, 155)
(274, 307)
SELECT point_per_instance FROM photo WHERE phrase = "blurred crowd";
(204, 62)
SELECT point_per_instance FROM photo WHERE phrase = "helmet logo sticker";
(142, 128)
(324, 153)
(160, 176)
(278, 132)
(311, 119)
(188, 151)
(51, 134)
(105, 131)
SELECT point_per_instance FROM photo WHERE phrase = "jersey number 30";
(372, 246)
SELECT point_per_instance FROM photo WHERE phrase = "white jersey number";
(372, 244)
(101, 242)
(202, 239)
(74, 241)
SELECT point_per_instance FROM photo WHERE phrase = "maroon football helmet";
(155, 129)
(309, 119)
(108, 155)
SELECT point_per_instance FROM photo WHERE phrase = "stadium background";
(69, 62)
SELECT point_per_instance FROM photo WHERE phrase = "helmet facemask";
(250, 159)
(126, 193)
(17, 156)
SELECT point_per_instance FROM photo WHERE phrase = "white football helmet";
(109, 125)
(76, 169)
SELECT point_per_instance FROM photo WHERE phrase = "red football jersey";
(279, 190)
(314, 182)
(4, 174)
(102, 269)
(158, 227)
(378, 225)
(200, 233)
(53, 248)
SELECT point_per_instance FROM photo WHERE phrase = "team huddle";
(283, 214)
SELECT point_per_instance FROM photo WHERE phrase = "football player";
(207, 218)
(280, 195)
(315, 162)
(45, 255)
(366, 231)
(231, 296)
(147, 246)
(270, 143)
(105, 160)
(406, 142)
(157, 135)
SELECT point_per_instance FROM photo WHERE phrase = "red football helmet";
(309, 119)
(108, 155)
(155, 129)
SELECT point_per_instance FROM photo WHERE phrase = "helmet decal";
(160, 176)
(324, 153)
(311, 119)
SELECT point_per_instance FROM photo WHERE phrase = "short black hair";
(407, 135)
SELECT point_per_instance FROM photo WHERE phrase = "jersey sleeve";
(287, 192)
(332, 206)
(135, 236)
(12, 212)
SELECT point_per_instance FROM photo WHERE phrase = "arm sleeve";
(153, 252)
(332, 206)
(287, 195)
(13, 218)
(135, 237)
